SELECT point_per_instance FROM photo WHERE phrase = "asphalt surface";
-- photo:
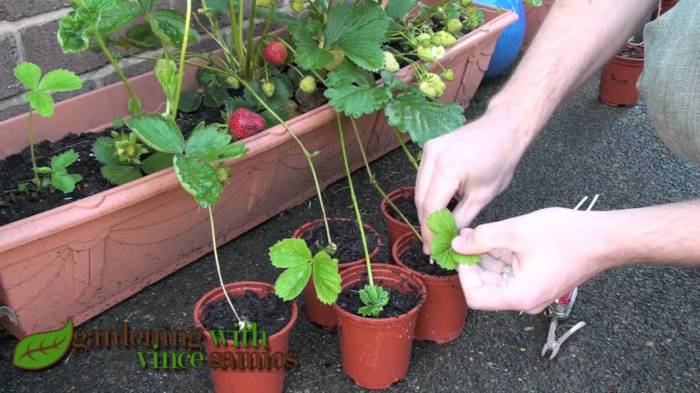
(642, 323)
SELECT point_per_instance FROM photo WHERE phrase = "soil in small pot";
(414, 258)
(407, 206)
(346, 235)
(270, 312)
(399, 303)
(631, 52)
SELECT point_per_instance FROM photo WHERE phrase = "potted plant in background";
(618, 80)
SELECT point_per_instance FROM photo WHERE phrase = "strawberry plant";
(40, 89)
(295, 257)
(444, 227)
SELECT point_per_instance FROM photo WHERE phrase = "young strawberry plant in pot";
(444, 313)
(618, 80)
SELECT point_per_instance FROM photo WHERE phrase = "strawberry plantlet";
(295, 257)
(58, 175)
(40, 89)
(121, 157)
(444, 228)
(374, 299)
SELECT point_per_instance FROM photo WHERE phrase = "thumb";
(486, 237)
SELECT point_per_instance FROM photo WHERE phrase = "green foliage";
(374, 299)
(534, 3)
(198, 178)
(399, 8)
(423, 118)
(41, 89)
(88, 17)
(121, 154)
(354, 92)
(295, 257)
(169, 26)
(59, 177)
(166, 74)
(159, 132)
(444, 229)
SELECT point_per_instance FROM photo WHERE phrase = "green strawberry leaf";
(292, 281)
(422, 118)
(399, 8)
(104, 152)
(326, 277)
(120, 174)
(190, 101)
(358, 30)
(42, 350)
(166, 74)
(158, 132)
(308, 54)
(63, 160)
(207, 142)
(198, 178)
(64, 181)
(289, 253)
(444, 228)
(353, 92)
(234, 150)
(156, 162)
(374, 299)
(29, 74)
(169, 26)
(58, 81)
(41, 102)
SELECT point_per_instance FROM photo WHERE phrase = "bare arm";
(477, 161)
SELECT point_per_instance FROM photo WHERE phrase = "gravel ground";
(642, 323)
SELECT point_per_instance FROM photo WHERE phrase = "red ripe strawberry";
(244, 123)
(275, 53)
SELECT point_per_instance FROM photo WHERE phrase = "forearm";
(574, 41)
(667, 234)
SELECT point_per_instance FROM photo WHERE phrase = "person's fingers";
(469, 276)
(423, 179)
(441, 190)
(469, 207)
(486, 297)
(487, 237)
(491, 264)
(490, 277)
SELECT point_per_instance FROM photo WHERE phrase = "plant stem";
(249, 48)
(355, 206)
(408, 153)
(115, 64)
(218, 268)
(307, 155)
(183, 54)
(36, 180)
(375, 183)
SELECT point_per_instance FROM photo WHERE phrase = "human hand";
(474, 164)
(550, 252)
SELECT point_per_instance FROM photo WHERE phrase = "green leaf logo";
(42, 350)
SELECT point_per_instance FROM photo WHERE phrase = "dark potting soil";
(407, 206)
(399, 303)
(414, 258)
(345, 235)
(270, 313)
(631, 53)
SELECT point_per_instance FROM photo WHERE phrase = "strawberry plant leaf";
(326, 277)
(207, 142)
(64, 181)
(63, 160)
(288, 253)
(156, 162)
(198, 178)
(308, 54)
(444, 228)
(423, 118)
(169, 26)
(292, 281)
(399, 8)
(42, 350)
(166, 74)
(190, 101)
(41, 102)
(158, 132)
(358, 30)
(120, 174)
(353, 91)
(58, 81)
(29, 74)
(374, 299)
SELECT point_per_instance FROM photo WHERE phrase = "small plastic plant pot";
(444, 313)
(246, 380)
(318, 313)
(396, 227)
(618, 81)
(376, 352)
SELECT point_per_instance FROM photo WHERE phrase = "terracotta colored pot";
(444, 313)
(396, 227)
(535, 17)
(317, 312)
(227, 380)
(618, 81)
(665, 6)
(376, 352)
(80, 259)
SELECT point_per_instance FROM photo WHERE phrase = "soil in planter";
(399, 303)
(414, 258)
(345, 235)
(631, 53)
(407, 206)
(271, 313)
(16, 205)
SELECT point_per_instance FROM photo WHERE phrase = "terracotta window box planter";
(79, 259)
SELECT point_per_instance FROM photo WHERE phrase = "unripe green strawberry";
(390, 63)
(427, 89)
(454, 25)
(430, 54)
(443, 38)
(297, 6)
(432, 85)
(475, 18)
(308, 84)
(338, 57)
(232, 82)
(268, 88)
(448, 74)
(222, 174)
(423, 40)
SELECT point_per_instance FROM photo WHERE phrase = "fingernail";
(459, 243)
(426, 250)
